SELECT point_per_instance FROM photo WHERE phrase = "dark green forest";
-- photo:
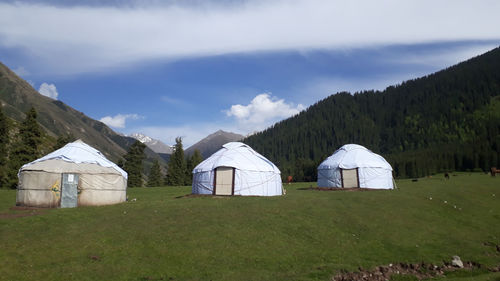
(443, 122)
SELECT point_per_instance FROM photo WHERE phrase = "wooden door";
(350, 178)
(224, 181)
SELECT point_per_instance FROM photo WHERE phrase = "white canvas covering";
(372, 169)
(253, 173)
(100, 181)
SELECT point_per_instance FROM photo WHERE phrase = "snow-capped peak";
(142, 138)
(155, 145)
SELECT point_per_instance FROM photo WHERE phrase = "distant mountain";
(446, 121)
(213, 142)
(160, 148)
(155, 145)
(58, 119)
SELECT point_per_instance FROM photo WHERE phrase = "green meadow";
(305, 235)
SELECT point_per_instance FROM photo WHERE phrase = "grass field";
(304, 235)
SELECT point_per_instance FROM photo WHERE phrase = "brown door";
(350, 178)
(224, 181)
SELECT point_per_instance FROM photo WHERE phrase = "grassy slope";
(305, 235)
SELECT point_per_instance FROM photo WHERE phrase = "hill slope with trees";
(449, 120)
(59, 124)
(58, 119)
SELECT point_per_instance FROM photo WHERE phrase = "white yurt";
(236, 169)
(354, 166)
(74, 175)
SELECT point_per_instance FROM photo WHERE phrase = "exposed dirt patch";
(95, 257)
(22, 212)
(194, 195)
(340, 189)
(148, 278)
(383, 273)
(493, 245)
(213, 196)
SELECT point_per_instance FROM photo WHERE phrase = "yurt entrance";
(350, 178)
(224, 181)
(69, 191)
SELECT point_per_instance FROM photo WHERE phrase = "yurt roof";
(237, 155)
(76, 152)
(352, 156)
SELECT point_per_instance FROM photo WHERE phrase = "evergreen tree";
(446, 120)
(31, 136)
(63, 140)
(4, 142)
(196, 158)
(176, 171)
(192, 162)
(133, 164)
(26, 149)
(155, 178)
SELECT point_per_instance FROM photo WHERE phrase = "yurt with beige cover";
(74, 175)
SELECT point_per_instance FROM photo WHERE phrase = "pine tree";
(63, 140)
(155, 178)
(192, 162)
(133, 164)
(176, 172)
(27, 148)
(196, 158)
(4, 142)
(31, 136)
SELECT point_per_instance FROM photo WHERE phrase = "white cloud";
(84, 39)
(48, 90)
(118, 121)
(262, 112)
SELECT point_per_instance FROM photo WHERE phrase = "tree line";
(19, 144)
(447, 121)
(178, 169)
(25, 142)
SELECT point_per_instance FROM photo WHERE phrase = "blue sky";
(189, 68)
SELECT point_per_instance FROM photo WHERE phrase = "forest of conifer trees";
(443, 122)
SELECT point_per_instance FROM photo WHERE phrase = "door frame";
(214, 192)
(63, 188)
(342, 176)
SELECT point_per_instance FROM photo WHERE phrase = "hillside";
(58, 119)
(449, 120)
(213, 142)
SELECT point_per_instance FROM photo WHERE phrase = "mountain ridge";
(213, 142)
(58, 119)
(443, 121)
(156, 145)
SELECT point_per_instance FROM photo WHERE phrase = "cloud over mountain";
(48, 90)
(118, 121)
(262, 111)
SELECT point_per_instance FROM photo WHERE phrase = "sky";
(189, 68)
